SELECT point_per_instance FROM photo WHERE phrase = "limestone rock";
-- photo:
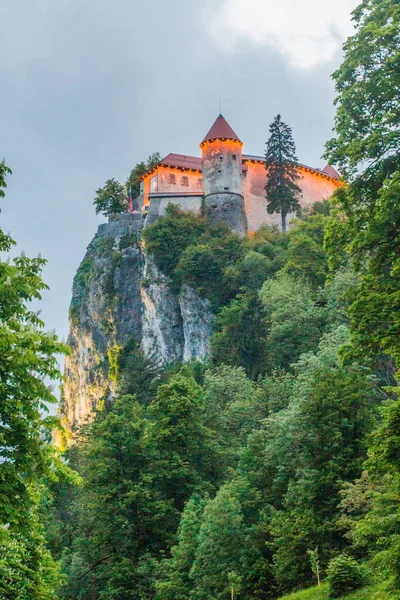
(119, 294)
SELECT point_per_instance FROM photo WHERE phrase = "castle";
(230, 184)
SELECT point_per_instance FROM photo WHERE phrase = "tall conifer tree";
(282, 191)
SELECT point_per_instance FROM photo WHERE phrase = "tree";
(167, 239)
(28, 357)
(111, 198)
(293, 319)
(175, 583)
(240, 338)
(133, 182)
(366, 148)
(139, 465)
(283, 193)
(221, 547)
(306, 256)
(365, 224)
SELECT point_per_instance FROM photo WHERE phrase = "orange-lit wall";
(314, 188)
(165, 185)
(222, 166)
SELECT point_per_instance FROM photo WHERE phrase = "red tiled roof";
(221, 129)
(182, 161)
(331, 172)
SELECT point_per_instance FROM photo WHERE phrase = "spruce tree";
(282, 190)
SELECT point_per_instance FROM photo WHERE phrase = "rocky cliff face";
(119, 294)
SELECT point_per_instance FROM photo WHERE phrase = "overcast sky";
(90, 87)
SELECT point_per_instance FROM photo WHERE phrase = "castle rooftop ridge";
(193, 163)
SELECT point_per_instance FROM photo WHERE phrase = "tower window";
(185, 180)
(221, 157)
(226, 188)
(172, 178)
(233, 156)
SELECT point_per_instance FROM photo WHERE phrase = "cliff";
(119, 295)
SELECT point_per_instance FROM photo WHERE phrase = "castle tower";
(222, 176)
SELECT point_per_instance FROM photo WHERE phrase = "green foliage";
(111, 198)
(344, 576)
(221, 547)
(367, 107)
(28, 361)
(241, 335)
(139, 466)
(364, 228)
(302, 454)
(27, 570)
(202, 266)
(294, 320)
(306, 256)
(366, 149)
(167, 238)
(4, 171)
(377, 591)
(282, 191)
(175, 583)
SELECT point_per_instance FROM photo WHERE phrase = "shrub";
(167, 239)
(344, 575)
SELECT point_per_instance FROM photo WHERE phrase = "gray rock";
(119, 294)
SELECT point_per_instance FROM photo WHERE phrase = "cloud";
(307, 33)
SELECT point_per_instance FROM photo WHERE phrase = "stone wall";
(159, 203)
(228, 208)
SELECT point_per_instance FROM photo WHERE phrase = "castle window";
(226, 188)
(185, 180)
(172, 178)
(199, 183)
(154, 184)
(221, 157)
(233, 156)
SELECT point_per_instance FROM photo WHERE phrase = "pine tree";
(282, 190)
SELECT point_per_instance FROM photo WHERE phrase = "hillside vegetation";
(373, 592)
(274, 466)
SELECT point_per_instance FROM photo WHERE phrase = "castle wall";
(158, 205)
(315, 188)
(173, 180)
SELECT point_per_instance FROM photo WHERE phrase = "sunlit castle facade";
(225, 183)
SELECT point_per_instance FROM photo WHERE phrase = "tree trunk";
(283, 220)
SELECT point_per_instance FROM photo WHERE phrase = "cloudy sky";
(90, 87)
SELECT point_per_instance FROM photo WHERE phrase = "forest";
(274, 467)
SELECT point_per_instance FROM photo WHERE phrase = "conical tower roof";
(220, 130)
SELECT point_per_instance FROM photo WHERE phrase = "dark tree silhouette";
(282, 191)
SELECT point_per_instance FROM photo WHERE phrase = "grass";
(373, 592)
